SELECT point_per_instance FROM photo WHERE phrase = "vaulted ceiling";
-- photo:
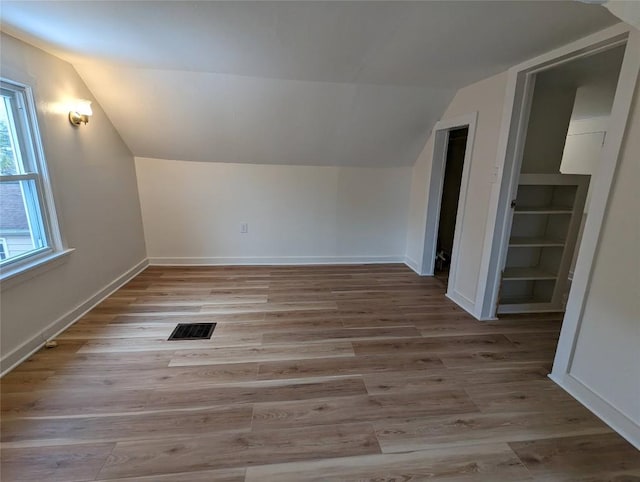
(322, 83)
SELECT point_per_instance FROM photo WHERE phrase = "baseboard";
(24, 351)
(602, 409)
(278, 260)
(413, 264)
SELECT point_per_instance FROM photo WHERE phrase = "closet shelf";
(527, 305)
(543, 210)
(535, 242)
(526, 274)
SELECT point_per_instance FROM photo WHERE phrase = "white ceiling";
(323, 83)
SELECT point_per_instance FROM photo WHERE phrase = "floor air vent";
(192, 331)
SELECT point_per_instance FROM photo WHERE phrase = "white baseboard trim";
(278, 260)
(28, 348)
(413, 264)
(606, 412)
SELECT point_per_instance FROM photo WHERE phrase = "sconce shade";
(80, 113)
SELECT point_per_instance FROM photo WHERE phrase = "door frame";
(434, 200)
(519, 94)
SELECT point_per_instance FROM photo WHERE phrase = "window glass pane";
(9, 152)
(24, 212)
(21, 224)
(3, 249)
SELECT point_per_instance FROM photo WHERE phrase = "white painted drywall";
(487, 98)
(607, 356)
(583, 150)
(94, 185)
(192, 212)
(547, 128)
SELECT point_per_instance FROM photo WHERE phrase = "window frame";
(33, 159)
(4, 249)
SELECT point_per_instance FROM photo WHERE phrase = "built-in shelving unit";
(546, 219)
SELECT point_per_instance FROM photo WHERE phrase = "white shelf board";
(527, 306)
(526, 274)
(531, 242)
(543, 210)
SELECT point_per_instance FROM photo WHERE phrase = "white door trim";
(598, 206)
(436, 179)
(515, 116)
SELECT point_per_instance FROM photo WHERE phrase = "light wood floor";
(313, 373)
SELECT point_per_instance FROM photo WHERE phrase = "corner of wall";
(19, 354)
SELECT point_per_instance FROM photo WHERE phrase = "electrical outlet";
(244, 228)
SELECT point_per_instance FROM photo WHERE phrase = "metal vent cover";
(192, 331)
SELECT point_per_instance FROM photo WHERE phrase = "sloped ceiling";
(322, 83)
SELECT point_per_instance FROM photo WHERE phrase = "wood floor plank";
(132, 426)
(419, 381)
(485, 375)
(475, 428)
(436, 345)
(360, 409)
(222, 475)
(60, 401)
(345, 366)
(257, 392)
(452, 325)
(64, 463)
(224, 355)
(593, 457)
(341, 334)
(21, 379)
(120, 378)
(239, 450)
(497, 358)
(519, 396)
(174, 318)
(129, 345)
(479, 463)
(265, 307)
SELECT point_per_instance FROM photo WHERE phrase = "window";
(3, 249)
(26, 204)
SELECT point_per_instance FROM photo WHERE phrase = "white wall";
(487, 98)
(94, 185)
(547, 128)
(607, 356)
(192, 212)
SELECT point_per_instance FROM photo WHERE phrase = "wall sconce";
(80, 112)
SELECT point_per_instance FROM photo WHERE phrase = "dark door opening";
(454, 164)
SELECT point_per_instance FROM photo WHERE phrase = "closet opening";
(454, 163)
(447, 191)
(567, 124)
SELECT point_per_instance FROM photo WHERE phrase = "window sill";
(15, 275)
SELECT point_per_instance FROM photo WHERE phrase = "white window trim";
(31, 267)
(56, 253)
(5, 247)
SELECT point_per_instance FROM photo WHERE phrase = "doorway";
(522, 81)
(565, 130)
(454, 163)
(447, 191)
